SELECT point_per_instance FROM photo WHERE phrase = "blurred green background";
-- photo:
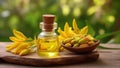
(25, 15)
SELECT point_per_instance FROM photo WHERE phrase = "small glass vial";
(48, 44)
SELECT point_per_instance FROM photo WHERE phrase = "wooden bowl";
(81, 50)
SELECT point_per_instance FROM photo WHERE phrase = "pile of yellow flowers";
(71, 32)
(21, 45)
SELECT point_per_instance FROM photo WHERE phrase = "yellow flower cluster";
(69, 32)
(21, 45)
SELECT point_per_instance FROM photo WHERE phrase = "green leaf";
(29, 39)
(99, 37)
(102, 47)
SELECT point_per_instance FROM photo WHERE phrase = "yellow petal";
(70, 32)
(84, 30)
(21, 47)
(12, 46)
(60, 38)
(62, 33)
(24, 52)
(14, 39)
(66, 27)
(35, 40)
(19, 34)
(75, 27)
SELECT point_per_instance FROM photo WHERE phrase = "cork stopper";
(48, 21)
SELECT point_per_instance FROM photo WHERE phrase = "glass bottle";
(48, 44)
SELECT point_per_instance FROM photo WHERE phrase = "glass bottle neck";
(47, 34)
(48, 28)
(52, 31)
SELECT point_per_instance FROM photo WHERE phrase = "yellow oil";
(48, 47)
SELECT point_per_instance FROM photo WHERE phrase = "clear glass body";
(48, 44)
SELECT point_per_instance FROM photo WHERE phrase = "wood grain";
(35, 60)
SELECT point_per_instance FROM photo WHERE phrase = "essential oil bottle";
(48, 44)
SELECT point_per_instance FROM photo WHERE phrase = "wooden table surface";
(109, 58)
